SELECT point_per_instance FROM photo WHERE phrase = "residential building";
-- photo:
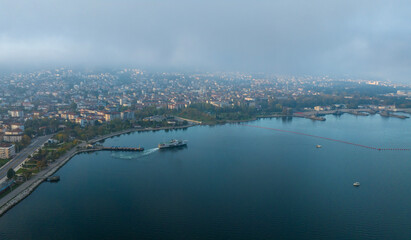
(15, 135)
(7, 150)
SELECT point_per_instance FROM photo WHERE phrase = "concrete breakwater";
(22, 195)
(28, 187)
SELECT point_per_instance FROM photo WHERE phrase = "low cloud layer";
(357, 38)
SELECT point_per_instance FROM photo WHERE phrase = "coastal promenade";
(191, 121)
(100, 138)
(21, 156)
(24, 190)
(27, 187)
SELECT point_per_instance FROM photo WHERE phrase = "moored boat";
(53, 179)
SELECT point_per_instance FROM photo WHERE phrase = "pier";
(97, 147)
(358, 113)
(126, 149)
(26, 188)
(389, 114)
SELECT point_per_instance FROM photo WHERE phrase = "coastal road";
(21, 156)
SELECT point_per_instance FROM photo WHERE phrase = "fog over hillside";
(362, 38)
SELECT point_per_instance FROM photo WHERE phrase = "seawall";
(24, 190)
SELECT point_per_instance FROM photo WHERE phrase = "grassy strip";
(3, 161)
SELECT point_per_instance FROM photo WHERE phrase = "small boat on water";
(318, 146)
(53, 179)
(356, 184)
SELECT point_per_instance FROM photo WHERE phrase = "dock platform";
(126, 149)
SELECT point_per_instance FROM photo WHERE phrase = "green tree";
(73, 106)
(26, 174)
(10, 173)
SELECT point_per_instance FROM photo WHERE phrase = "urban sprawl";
(94, 98)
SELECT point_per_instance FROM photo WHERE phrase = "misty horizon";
(367, 39)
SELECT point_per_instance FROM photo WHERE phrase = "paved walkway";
(27, 187)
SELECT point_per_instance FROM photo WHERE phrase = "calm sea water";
(232, 182)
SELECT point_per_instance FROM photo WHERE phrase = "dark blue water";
(232, 182)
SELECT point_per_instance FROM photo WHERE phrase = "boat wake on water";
(133, 155)
(149, 151)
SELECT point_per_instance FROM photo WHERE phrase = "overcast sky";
(367, 38)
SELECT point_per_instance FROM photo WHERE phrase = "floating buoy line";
(331, 139)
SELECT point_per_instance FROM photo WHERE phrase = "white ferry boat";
(173, 144)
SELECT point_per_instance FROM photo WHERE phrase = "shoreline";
(26, 188)
(10, 200)
(131, 130)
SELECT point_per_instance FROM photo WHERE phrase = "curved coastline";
(24, 190)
